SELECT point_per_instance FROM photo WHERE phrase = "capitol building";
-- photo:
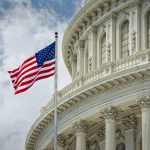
(106, 49)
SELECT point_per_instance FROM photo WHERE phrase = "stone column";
(93, 47)
(81, 57)
(113, 37)
(86, 53)
(101, 136)
(145, 108)
(138, 28)
(61, 142)
(129, 124)
(110, 115)
(74, 65)
(81, 127)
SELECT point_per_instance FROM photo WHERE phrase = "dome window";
(125, 39)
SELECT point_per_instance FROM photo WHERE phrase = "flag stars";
(45, 54)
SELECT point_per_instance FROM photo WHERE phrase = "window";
(103, 49)
(125, 39)
(148, 30)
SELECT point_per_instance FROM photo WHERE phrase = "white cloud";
(23, 31)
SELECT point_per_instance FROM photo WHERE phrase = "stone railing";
(77, 83)
(133, 61)
(140, 58)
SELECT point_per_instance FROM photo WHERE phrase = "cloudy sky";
(27, 26)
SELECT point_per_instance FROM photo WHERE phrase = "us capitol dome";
(106, 48)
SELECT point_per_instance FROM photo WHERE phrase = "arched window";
(125, 39)
(148, 30)
(103, 49)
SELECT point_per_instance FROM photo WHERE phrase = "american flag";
(39, 66)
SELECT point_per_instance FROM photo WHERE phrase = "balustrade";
(129, 62)
(137, 59)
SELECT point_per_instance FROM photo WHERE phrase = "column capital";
(144, 101)
(81, 126)
(129, 122)
(110, 113)
(61, 140)
(101, 134)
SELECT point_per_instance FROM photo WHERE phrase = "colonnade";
(107, 134)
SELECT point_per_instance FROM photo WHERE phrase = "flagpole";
(55, 91)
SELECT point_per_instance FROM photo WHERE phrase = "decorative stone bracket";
(61, 140)
(129, 122)
(101, 134)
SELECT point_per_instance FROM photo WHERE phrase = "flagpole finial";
(56, 34)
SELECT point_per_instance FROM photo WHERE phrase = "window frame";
(124, 39)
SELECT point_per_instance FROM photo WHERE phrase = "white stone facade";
(106, 49)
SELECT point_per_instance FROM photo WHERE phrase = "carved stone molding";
(103, 29)
(109, 52)
(100, 10)
(129, 122)
(144, 101)
(81, 126)
(94, 29)
(80, 44)
(133, 40)
(61, 140)
(113, 16)
(101, 134)
(110, 113)
(74, 57)
(125, 15)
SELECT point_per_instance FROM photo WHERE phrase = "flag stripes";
(39, 66)
(25, 76)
